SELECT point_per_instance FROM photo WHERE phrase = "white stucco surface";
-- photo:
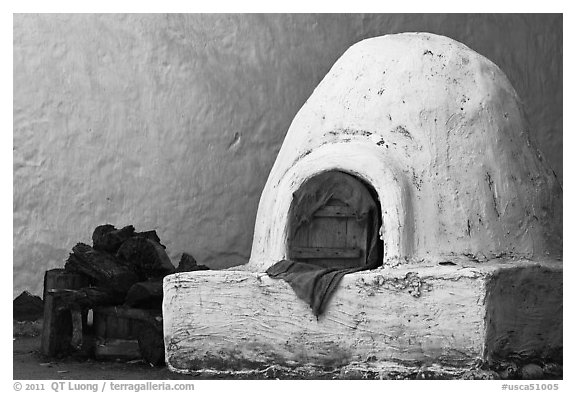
(417, 313)
(440, 133)
(173, 122)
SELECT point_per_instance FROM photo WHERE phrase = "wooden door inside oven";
(335, 225)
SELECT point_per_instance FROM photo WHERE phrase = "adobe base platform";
(449, 315)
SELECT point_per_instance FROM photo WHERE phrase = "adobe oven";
(412, 152)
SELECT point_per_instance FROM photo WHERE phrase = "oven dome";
(439, 133)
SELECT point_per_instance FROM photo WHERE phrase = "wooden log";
(108, 238)
(151, 235)
(132, 313)
(147, 257)
(188, 264)
(77, 327)
(102, 267)
(75, 303)
(64, 279)
(119, 321)
(88, 297)
(121, 327)
(57, 327)
(146, 294)
(112, 325)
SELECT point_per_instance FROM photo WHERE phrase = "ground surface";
(30, 364)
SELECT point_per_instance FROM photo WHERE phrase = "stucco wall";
(173, 122)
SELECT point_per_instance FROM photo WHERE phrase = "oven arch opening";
(334, 221)
(362, 159)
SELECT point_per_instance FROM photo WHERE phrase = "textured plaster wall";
(173, 122)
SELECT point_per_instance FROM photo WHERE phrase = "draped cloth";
(311, 283)
(316, 284)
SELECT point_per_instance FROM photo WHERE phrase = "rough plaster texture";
(439, 132)
(173, 122)
(524, 313)
(416, 313)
